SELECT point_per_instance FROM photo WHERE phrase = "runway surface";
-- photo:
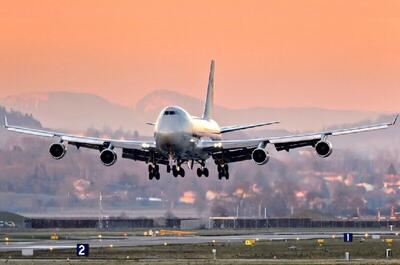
(160, 240)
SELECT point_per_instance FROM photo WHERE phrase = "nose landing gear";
(223, 171)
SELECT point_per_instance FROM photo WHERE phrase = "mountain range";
(80, 111)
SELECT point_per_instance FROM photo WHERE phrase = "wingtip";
(5, 121)
(395, 119)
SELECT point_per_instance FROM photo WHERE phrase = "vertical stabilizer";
(209, 105)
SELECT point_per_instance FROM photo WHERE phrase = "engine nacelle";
(108, 157)
(260, 156)
(57, 150)
(323, 148)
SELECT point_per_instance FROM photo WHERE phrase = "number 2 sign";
(82, 250)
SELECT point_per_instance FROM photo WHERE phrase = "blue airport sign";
(348, 237)
(82, 250)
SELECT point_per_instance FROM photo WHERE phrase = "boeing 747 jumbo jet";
(180, 138)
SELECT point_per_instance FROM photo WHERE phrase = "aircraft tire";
(205, 172)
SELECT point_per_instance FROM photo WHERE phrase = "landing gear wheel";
(205, 172)
(168, 168)
(199, 172)
(181, 172)
(154, 171)
(175, 171)
(223, 171)
(219, 168)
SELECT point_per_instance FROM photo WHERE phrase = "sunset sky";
(331, 54)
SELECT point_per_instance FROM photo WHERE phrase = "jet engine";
(323, 148)
(108, 157)
(57, 150)
(260, 156)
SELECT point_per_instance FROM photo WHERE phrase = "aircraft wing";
(232, 128)
(132, 149)
(238, 150)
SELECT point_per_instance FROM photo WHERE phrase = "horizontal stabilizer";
(232, 128)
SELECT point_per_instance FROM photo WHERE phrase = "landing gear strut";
(223, 171)
(178, 170)
(154, 171)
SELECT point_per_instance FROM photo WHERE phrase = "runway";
(161, 240)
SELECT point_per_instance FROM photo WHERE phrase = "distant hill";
(19, 118)
(72, 111)
(79, 111)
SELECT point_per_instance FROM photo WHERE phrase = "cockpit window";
(169, 112)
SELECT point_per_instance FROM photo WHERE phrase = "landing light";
(218, 145)
(144, 145)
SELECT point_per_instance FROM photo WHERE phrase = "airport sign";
(82, 250)
(348, 237)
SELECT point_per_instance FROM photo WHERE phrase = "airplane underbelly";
(180, 146)
(173, 142)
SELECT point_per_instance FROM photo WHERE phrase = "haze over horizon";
(334, 55)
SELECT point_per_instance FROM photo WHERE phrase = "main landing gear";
(154, 171)
(177, 171)
(223, 171)
(202, 171)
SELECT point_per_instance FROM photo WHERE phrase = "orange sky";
(332, 54)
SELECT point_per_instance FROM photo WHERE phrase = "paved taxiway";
(160, 240)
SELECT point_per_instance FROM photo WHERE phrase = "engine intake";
(108, 157)
(57, 150)
(323, 148)
(260, 156)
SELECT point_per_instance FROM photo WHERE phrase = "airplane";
(180, 138)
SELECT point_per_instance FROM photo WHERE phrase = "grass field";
(201, 262)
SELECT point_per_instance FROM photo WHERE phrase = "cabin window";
(169, 112)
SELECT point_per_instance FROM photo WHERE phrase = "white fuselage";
(177, 133)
